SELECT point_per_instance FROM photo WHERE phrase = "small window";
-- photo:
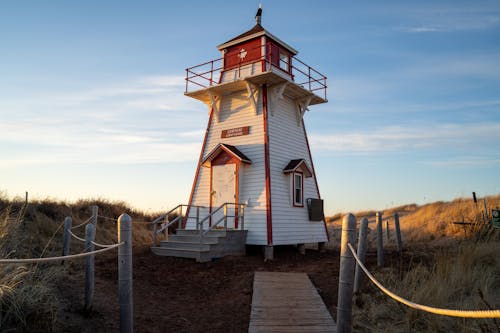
(284, 61)
(298, 192)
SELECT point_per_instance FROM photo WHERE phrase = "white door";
(223, 190)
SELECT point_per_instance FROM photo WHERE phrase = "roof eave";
(255, 35)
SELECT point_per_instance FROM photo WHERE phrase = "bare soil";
(180, 295)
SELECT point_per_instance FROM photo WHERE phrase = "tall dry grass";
(29, 296)
(444, 265)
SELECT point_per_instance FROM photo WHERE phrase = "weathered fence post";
(346, 274)
(95, 209)
(398, 232)
(387, 230)
(89, 267)
(125, 273)
(358, 276)
(380, 241)
(155, 227)
(66, 236)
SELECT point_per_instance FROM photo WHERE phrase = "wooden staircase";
(213, 244)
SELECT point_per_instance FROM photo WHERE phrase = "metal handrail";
(202, 232)
(312, 76)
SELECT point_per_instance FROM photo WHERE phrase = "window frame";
(284, 62)
(294, 189)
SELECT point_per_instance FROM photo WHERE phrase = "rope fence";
(58, 258)
(124, 246)
(413, 305)
(82, 224)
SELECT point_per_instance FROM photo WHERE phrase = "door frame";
(224, 158)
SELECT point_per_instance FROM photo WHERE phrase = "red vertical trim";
(210, 196)
(198, 167)
(314, 175)
(267, 167)
(237, 194)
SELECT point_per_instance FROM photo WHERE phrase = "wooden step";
(200, 256)
(195, 246)
(211, 233)
(192, 239)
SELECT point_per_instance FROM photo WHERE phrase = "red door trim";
(267, 167)
(198, 167)
(314, 175)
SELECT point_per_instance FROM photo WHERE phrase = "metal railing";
(210, 73)
(164, 223)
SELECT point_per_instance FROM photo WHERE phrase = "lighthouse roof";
(257, 31)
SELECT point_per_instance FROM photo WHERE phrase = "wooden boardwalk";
(287, 302)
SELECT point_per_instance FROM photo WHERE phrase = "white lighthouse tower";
(255, 171)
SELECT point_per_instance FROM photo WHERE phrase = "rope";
(440, 311)
(103, 245)
(73, 256)
(107, 218)
(81, 224)
(79, 238)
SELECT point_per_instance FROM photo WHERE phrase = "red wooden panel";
(250, 49)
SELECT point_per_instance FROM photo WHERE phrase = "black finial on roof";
(258, 16)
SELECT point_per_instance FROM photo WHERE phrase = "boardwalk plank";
(287, 302)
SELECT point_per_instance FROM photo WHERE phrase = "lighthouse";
(255, 172)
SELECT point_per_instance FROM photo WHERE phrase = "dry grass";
(29, 299)
(444, 265)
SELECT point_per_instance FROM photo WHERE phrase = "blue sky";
(92, 104)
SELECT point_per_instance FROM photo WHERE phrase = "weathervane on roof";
(258, 16)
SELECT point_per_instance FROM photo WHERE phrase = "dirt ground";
(180, 295)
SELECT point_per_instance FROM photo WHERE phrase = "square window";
(284, 61)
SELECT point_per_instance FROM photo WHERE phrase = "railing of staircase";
(239, 213)
(164, 223)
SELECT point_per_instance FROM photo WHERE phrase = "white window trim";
(294, 197)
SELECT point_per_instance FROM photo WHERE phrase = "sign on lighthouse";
(255, 155)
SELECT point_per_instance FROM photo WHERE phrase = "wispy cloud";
(143, 120)
(440, 18)
(399, 138)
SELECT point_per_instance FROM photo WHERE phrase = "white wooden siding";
(237, 111)
(287, 141)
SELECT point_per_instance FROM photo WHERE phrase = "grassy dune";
(29, 299)
(443, 265)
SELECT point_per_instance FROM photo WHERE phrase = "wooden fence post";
(380, 241)
(95, 209)
(125, 273)
(346, 274)
(387, 230)
(89, 267)
(398, 232)
(66, 236)
(358, 276)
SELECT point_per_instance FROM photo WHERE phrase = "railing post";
(398, 232)
(179, 224)
(346, 275)
(66, 236)
(125, 273)
(95, 210)
(358, 276)
(242, 209)
(89, 267)
(380, 241)
(211, 72)
(225, 216)
(197, 217)
(187, 75)
(309, 78)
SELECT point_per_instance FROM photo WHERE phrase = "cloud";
(141, 120)
(402, 139)
(438, 18)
